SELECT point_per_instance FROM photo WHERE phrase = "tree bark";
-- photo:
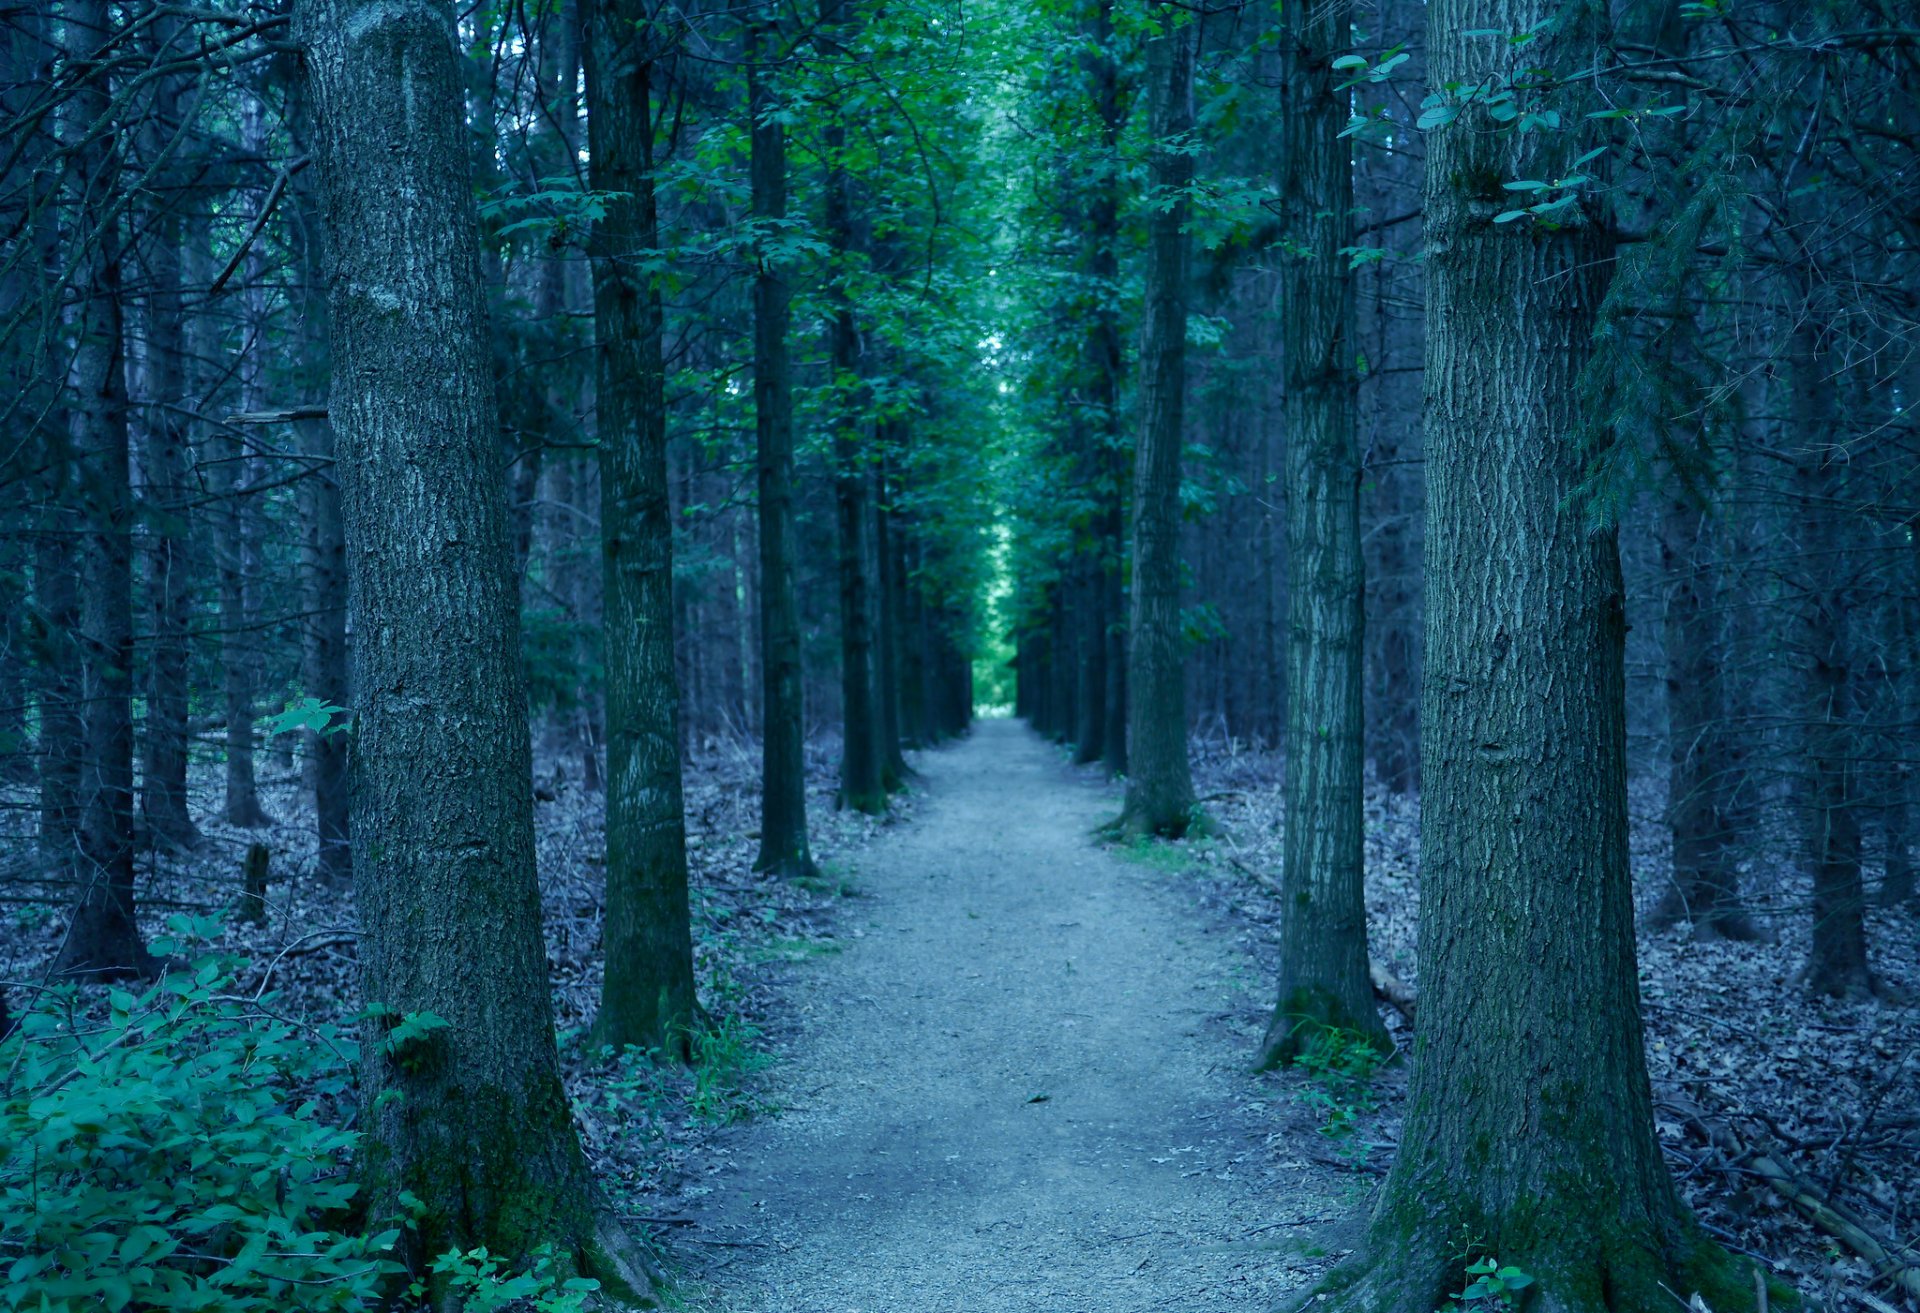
(862, 764)
(1159, 780)
(1529, 1128)
(481, 1133)
(103, 938)
(1837, 955)
(164, 458)
(784, 847)
(1323, 910)
(1705, 888)
(648, 996)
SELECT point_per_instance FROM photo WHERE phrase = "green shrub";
(155, 1156)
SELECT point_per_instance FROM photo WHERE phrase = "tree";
(648, 995)
(465, 1114)
(862, 761)
(1529, 1128)
(1159, 781)
(103, 938)
(1323, 910)
(783, 776)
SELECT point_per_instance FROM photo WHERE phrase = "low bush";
(182, 1148)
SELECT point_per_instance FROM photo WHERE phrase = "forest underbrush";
(292, 977)
(1788, 1120)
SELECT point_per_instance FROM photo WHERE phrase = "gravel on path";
(1018, 1088)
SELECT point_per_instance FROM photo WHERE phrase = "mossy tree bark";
(471, 1118)
(1323, 912)
(1159, 779)
(784, 847)
(647, 998)
(1529, 1128)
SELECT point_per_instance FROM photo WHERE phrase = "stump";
(253, 884)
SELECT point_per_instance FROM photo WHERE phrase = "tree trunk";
(648, 996)
(481, 1134)
(862, 765)
(103, 938)
(1323, 907)
(238, 642)
(784, 847)
(324, 660)
(1705, 884)
(1528, 1136)
(1837, 958)
(893, 764)
(167, 492)
(1159, 780)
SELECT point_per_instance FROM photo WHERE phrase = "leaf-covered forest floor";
(1829, 1089)
(981, 1063)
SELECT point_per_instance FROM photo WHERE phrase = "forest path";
(1002, 957)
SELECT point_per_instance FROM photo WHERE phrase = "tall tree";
(164, 457)
(784, 848)
(862, 761)
(480, 1135)
(1159, 779)
(1323, 909)
(1529, 1127)
(648, 995)
(103, 938)
(1830, 794)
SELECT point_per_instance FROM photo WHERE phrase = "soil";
(1022, 1086)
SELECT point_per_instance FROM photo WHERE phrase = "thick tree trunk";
(1159, 781)
(1323, 909)
(784, 847)
(481, 1134)
(1529, 1126)
(648, 996)
(103, 938)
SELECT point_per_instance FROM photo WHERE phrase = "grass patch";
(1156, 854)
(796, 950)
(833, 881)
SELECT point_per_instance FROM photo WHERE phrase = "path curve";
(1017, 1089)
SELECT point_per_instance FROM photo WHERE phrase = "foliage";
(305, 713)
(179, 1150)
(1493, 1285)
(479, 1282)
(1341, 1065)
(716, 1088)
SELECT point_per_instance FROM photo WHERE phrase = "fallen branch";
(1833, 1218)
(1390, 989)
(278, 416)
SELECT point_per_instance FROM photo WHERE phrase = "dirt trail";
(1018, 1088)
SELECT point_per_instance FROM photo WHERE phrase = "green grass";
(1156, 855)
(796, 950)
(834, 881)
